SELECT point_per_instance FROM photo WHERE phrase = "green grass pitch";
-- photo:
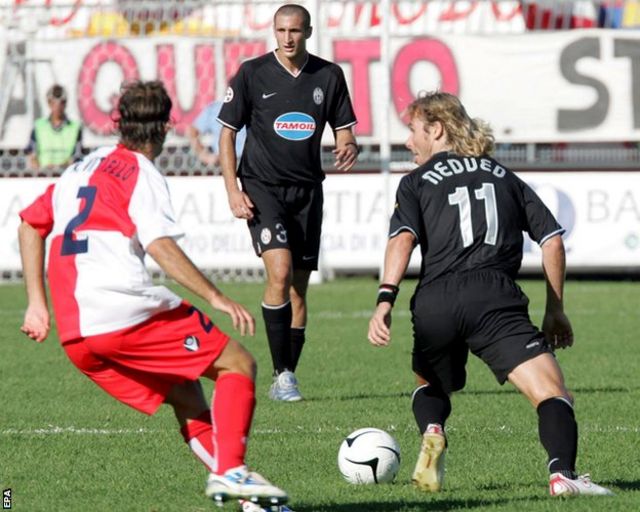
(67, 446)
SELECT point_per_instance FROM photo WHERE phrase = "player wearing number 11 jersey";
(468, 213)
(139, 342)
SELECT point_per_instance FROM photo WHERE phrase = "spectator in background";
(55, 141)
(207, 124)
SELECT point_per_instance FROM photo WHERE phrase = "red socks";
(198, 434)
(223, 444)
(233, 403)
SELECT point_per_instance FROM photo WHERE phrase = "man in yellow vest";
(56, 141)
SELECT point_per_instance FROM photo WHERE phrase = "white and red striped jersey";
(101, 215)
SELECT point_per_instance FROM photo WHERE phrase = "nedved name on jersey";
(451, 167)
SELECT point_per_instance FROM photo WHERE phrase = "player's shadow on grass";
(497, 391)
(510, 485)
(578, 390)
(425, 505)
(625, 485)
(603, 389)
(358, 396)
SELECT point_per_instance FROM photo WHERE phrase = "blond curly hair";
(466, 136)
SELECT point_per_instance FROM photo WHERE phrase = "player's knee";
(241, 361)
(233, 359)
(248, 365)
(300, 283)
(539, 395)
(279, 275)
(298, 298)
(279, 280)
(540, 389)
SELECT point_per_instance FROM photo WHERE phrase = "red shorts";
(138, 365)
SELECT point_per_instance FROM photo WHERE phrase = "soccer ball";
(369, 456)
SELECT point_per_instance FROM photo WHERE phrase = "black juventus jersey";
(285, 116)
(469, 213)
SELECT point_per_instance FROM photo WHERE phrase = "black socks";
(297, 342)
(430, 405)
(559, 435)
(277, 320)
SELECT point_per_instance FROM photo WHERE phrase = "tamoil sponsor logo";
(295, 126)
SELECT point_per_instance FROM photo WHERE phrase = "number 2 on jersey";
(461, 198)
(69, 245)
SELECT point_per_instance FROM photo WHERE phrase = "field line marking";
(53, 430)
(56, 430)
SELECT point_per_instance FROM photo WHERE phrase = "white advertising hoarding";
(600, 211)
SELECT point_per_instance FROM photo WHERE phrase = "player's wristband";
(387, 293)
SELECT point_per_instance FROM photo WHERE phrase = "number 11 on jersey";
(462, 199)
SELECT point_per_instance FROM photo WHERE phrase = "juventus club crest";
(318, 96)
(265, 236)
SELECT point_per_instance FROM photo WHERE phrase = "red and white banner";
(109, 18)
(570, 86)
(600, 212)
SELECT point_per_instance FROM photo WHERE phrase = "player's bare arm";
(36, 322)
(32, 161)
(177, 265)
(556, 325)
(396, 260)
(346, 151)
(203, 153)
(239, 202)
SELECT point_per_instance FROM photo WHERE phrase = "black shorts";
(483, 311)
(287, 217)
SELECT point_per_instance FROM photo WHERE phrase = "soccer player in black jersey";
(285, 98)
(467, 212)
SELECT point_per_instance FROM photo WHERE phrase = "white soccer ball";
(369, 456)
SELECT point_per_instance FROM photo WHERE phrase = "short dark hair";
(56, 92)
(289, 9)
(144, 109)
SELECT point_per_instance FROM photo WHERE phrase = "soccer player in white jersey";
(141, 343)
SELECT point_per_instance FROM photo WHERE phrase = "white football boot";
(560, 485)
(285, 388)
(247, 506)
(241, 484)
(428, 474)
